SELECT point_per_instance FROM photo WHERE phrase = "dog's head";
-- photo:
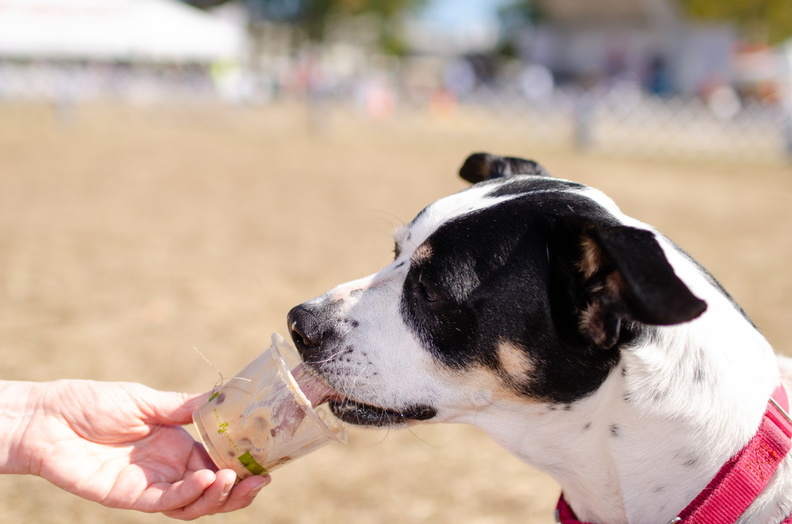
(522, 287)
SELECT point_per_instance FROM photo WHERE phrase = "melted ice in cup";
(268, 414)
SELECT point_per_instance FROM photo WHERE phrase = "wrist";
(18, 404)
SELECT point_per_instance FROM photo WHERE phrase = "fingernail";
(227, 487)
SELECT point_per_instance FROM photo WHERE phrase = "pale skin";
(118, 444)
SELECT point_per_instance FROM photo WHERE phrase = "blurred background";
(693, 78)
(175, 176)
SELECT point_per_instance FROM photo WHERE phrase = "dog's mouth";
(353, 411)
(361, 414)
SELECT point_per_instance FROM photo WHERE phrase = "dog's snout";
(307, 330)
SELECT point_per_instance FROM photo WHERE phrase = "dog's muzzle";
(315, 330)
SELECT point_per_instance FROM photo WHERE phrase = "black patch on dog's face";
(508, 274)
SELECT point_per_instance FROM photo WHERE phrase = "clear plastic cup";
(262, 418)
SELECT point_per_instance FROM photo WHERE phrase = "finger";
(210, 501)
(180, 494)
(169, 407)
(200, 459)
(243, 494)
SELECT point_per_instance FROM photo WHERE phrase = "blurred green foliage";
(759, 21)
(313, 16)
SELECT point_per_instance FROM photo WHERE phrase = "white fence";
(634, 123)
(617, 121)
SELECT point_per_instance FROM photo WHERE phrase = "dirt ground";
(129, 239)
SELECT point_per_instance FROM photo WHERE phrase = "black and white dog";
(581, 339)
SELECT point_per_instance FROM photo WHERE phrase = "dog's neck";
(672, 412)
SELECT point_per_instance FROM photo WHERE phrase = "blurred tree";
(760, 21)
(513, 18)
(203, 4)
(313, 16)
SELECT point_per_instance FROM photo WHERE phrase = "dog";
(581, 339)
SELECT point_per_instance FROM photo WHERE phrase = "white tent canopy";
(133, 30)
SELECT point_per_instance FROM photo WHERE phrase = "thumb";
(169, 407)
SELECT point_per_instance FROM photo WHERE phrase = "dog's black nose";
(306, 329)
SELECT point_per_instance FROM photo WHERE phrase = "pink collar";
(740, 480)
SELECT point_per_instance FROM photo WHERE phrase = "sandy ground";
(129, 239)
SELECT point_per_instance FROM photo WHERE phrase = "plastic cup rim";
(303, 401)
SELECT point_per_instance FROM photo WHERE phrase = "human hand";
(121, 444)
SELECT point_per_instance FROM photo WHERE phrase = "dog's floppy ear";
(626, 276)
(484, 166)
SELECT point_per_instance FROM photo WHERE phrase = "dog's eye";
(428, 290)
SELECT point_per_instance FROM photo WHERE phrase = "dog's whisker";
(358, 377)
(421, 439)
(326, 360)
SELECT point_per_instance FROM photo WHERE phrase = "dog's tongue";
(312, 387)
(288, 415)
